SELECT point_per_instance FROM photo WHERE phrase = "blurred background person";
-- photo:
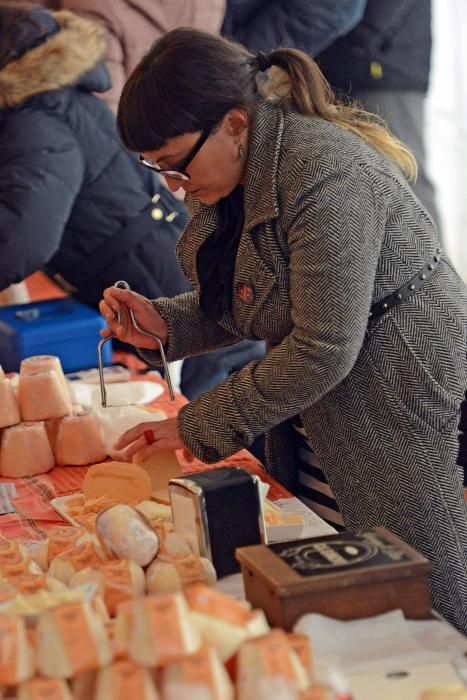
(73, 200)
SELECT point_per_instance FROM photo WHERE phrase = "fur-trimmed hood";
(62, 60)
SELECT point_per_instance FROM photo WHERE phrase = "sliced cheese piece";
(9, 410)
(203, 671)
(16, 658)
(71, 640)
(125, 680)
(172, 573)
(79, 440)
(160, 467)
(44, 689)
(42, 396)
(223, 623)
(127, 534)
(25, 451)
(120, 481)
(162, 630)
(269, 656)
(68, 563)
(116, 582)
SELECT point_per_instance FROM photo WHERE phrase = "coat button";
(157, 213)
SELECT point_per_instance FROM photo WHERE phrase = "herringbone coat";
(330, 228)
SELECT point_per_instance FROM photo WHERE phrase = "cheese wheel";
(120, 481)
(16, 658)
(116, 582)
(223, 623)
(172, 573)
(9, 411)
(79, 440)
(44, 689)
(71, 640)
(270, 655)
(190, 676)
(25, 451)
(125, 680)
(42, 396)
(161, 630)
(127, 534)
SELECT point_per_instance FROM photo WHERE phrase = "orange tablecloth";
(33, 513)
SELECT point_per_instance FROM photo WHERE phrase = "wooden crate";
(346, 576)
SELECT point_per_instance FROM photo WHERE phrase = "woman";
(72, 199)
(304, 232)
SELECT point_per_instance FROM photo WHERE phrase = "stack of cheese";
(37, 426)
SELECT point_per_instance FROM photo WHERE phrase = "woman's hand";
(146, 315)
(149, 438)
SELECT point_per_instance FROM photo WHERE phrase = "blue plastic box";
(61, 327)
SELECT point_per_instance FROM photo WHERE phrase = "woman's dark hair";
(190, 79)
(23, 25)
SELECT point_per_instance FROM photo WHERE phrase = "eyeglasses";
(179, 172)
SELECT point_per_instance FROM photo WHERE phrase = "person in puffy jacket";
(73, 200)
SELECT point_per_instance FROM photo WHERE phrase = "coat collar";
(260, 193)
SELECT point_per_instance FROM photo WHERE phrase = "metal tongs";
(121, 284)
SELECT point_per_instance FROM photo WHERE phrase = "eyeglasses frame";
(166, 172)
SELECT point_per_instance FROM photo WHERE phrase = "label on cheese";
(8, 647)
(46, 689)
(128, 681)
(163, 615)
(77, 638)
(13, 563)
(62, 538)
(215, 604)
(189, 567)
(274, 653)
(118, 584)
(197, 669)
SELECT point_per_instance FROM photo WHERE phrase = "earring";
(241, 150)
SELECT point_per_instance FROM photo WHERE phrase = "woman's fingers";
(133, 434)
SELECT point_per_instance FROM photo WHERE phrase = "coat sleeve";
(41, 171)
(335, 230)
(182, 314)
(310, 25)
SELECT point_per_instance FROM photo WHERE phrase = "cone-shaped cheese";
(71, 640)
(172, 573)
(79, 440)
(68, 563)
(270, 655)
(44, 363)
(127, 533)
(125, 680)
(116, 582)
(201, 671)
(42, 396)
(44, 689)
(121, 481)
(223, 623)
(9, 411)
(25, 451)
(16, 658)
(162, 630)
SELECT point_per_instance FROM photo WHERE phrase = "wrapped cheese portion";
(116, 582)
(44, 689)
(172, 573)
(121, 481)
(79, 440)
(269, 656)
(223, 623)
(125, 680)
(155, 511)
(17, 560)
(81, 556)
(58, 540)
(71, 640)
(25, 451)
(9, 411)
(42, 396)
(127, 534)
(162, 630)
(16, 657)
(201, 674)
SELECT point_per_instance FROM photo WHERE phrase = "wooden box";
(346, 576)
